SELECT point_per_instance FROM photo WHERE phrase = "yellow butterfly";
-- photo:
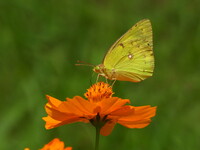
(130, 58)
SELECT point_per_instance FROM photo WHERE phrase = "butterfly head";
(99, 68)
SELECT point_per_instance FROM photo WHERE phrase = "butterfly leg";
(106, 80)
(113, 78)
(97, 78)
(113, 83)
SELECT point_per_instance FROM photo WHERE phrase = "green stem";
(97, 137)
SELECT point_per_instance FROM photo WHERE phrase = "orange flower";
(100, 109)
(55, 144)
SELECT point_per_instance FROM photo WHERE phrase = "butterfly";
(131, 57)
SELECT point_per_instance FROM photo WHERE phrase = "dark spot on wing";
(121, 45)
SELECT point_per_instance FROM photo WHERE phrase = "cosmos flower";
(55, 144)
(99, 108)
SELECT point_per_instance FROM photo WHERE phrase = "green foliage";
(40, 41)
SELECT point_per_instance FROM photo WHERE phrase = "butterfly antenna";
(82, 63)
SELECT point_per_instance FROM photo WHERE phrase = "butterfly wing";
(131, 58)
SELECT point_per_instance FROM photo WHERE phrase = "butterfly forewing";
(131, 57)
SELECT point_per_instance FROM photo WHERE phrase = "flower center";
(99, 91)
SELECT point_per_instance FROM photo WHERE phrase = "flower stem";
(97, 137)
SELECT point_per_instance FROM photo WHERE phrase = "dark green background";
(41, 40)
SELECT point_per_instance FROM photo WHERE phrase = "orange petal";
(135, 124)
(107, 128)
(123, 111)
(83, 105)
(141, 112)
(68, 108)
(73, 107)
(139, 119)
(52, 123)
(56, 114)
(53, 101)
(110, 104)
(54, 144)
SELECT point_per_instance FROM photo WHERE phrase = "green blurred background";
(41, 40)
